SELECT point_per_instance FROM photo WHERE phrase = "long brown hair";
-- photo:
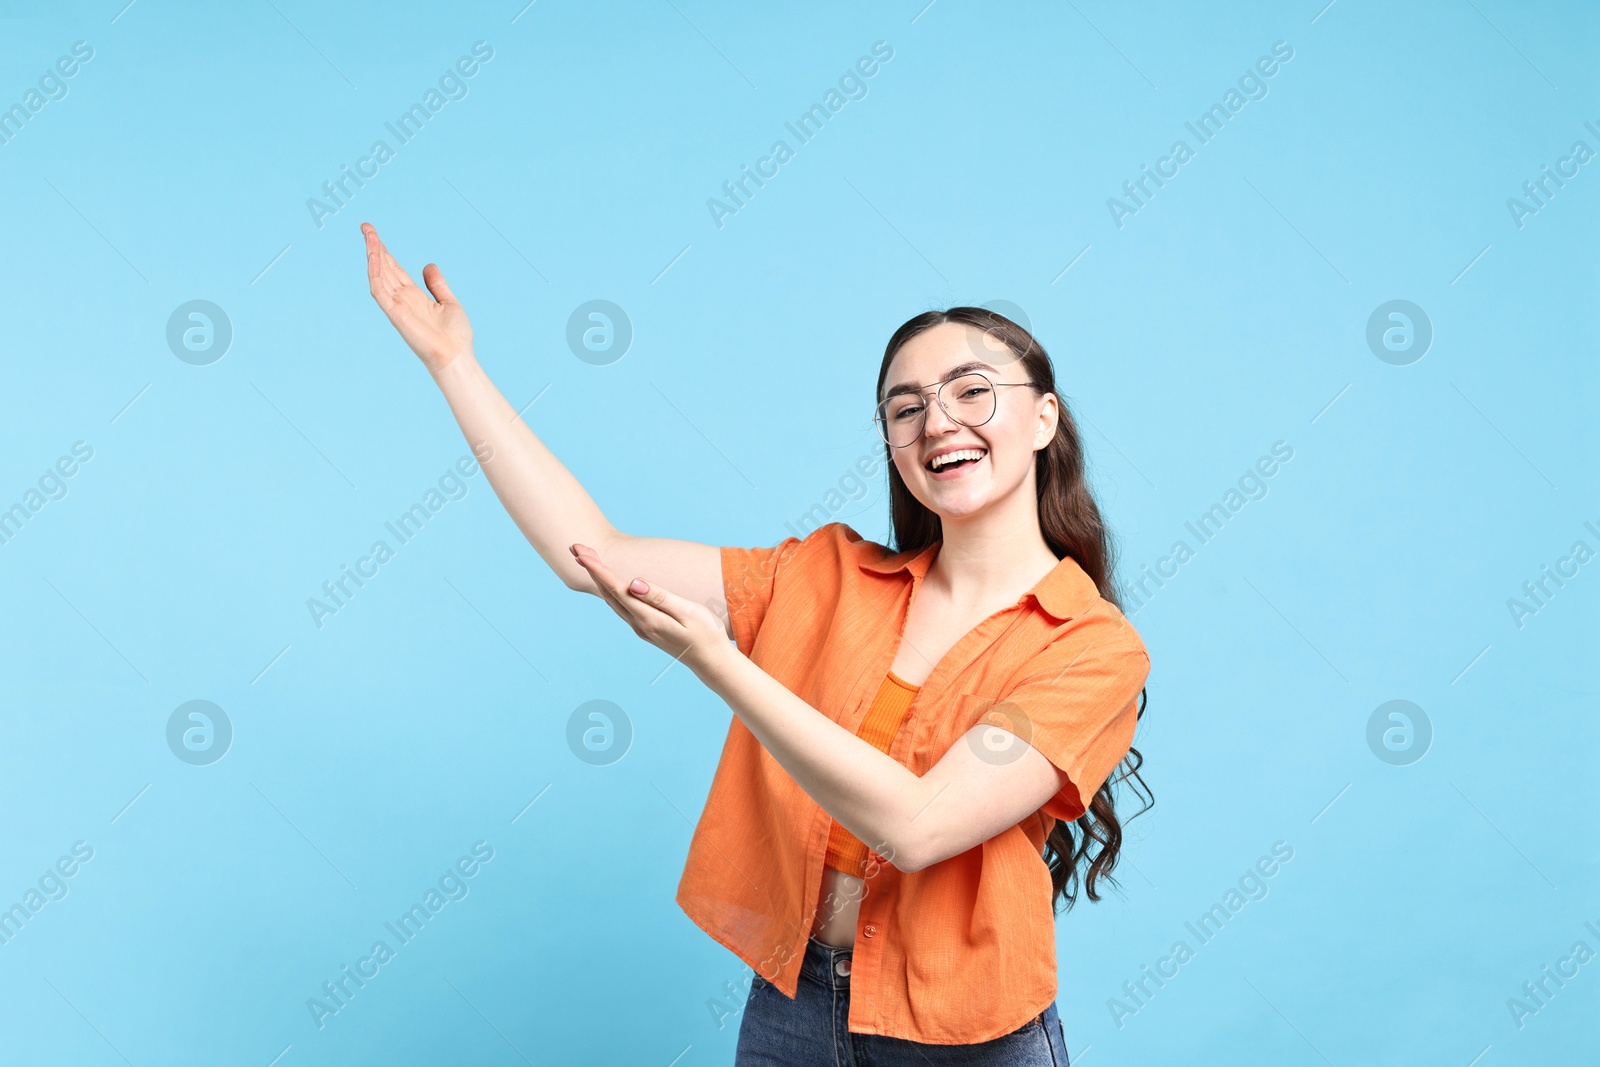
(1071, 524)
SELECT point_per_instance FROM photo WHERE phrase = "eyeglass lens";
(968, 400)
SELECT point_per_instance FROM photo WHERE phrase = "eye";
(906, 412)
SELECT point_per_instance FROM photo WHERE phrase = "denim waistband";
(824, 962)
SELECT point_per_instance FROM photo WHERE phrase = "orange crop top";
(845, 851)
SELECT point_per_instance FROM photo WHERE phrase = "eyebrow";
(953, 372)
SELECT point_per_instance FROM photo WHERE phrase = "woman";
(957, 705)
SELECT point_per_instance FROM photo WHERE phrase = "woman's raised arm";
(548, 504)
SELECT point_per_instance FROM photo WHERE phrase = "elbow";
(579, 582)
(909, 856)
(920, 859)
(573, 574)
(576, 577)
(919, 845)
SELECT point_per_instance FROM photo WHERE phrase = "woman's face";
(1023, 421)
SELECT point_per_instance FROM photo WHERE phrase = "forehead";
(946, 349)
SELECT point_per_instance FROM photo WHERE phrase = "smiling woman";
(916, 730)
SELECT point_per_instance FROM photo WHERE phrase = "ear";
(1049, 416)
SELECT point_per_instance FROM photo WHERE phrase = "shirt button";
(868, 930)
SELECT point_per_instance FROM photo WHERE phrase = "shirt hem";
(962, 1040)
(731, 947)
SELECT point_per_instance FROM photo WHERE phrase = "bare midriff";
(838, 908)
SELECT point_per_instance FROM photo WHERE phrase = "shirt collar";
(1065, 592)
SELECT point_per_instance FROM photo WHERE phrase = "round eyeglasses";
(968, 399)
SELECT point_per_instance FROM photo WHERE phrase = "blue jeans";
(811, 1030)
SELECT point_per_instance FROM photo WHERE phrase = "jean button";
(842, 968)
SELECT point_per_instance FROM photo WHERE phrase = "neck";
(983, 557)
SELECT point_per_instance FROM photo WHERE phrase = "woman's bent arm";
(551, 507)
(547, 503)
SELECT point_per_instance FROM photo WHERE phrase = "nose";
(936, 421)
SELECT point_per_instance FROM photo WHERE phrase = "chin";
(957, 506)
(953, 503)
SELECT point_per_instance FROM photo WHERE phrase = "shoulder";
(1097, 637)
(829, 549)
(1111, 626)
(835, 557)
(1073, 612)
(840, 545)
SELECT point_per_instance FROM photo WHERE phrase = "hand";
(436, 326)
(681, 628)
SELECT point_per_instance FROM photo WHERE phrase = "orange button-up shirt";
(964, 949)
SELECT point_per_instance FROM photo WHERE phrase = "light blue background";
(1228, 314)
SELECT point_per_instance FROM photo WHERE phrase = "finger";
(672, 605)
(611, 588)
(369, 237)
(433, 277)
(399, 299)
(393, 267)
(375, 278)
(623, 612)
(628, 614)
(637, 610)
(381, 264)
(379, 276)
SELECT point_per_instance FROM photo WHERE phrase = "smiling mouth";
(970, 456)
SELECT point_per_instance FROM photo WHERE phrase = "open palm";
(435, 326)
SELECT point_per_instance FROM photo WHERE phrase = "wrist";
(459, 367)
(719, 667)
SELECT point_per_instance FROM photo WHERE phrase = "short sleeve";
(1079, 702)
(749, 576)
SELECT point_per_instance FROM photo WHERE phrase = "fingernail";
(639, 585)
(573, 548)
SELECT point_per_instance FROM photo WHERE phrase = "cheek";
(1010, 455)
(1017, 464)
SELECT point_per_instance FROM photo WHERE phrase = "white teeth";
(951, 457)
